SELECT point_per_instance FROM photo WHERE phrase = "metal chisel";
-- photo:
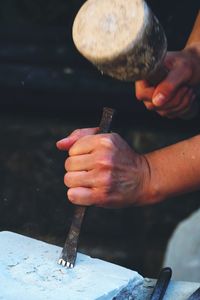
(162, 284)
(69, 252)
(195, 295)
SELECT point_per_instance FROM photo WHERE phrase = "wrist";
(174, 170)
(192, 50)
(154, 191)
(149, 188)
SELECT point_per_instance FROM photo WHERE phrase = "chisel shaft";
(69, 252)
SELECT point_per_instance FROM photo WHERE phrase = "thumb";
(66, 143)
(168, 87)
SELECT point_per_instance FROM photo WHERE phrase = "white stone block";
(175, 290)
(29, 271)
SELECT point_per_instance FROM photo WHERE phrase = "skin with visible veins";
(103, 170)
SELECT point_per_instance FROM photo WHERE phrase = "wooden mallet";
(123, 39)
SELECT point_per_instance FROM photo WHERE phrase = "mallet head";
(121, 37)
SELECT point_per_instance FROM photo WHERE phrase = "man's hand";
(103, 170)
(174, 96)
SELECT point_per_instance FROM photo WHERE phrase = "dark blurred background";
(48, 90)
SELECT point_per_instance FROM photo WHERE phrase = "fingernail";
(64, 140)
(58, 143)
(61, 143)
(70, 195)
(159, 100)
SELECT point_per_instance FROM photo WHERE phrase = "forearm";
(193, 49)
(195, 34)
(174, 170)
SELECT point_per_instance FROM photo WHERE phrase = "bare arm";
(103, 170)
(193, 49)
(195, 34)
(174, 170)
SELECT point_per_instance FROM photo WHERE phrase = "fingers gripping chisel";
(69, 251)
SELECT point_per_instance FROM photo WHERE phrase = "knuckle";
(105, 161)
(67, 180)
(77, 132)
(67, 164)
(107, 141)
(176, 102)
(70, 198)
(108, 162)
(115, 136)
(108, 181)
(169, 88)
(139, 94)
(69, 195)
(163, 113)
(149, 106)
(185, 65)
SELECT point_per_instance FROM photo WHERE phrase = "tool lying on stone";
(123, 39)
(162, 284)
(195, 295)
(69, 252)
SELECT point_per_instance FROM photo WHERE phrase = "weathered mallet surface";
(122, 38)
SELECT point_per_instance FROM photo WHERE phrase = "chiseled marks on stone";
(134, 291)
(29, 270)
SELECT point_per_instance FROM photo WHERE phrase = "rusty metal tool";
(69, 252)
(162, 284)
(195, 295)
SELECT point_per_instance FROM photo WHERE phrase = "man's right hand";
(103, 170)
(174, 96)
